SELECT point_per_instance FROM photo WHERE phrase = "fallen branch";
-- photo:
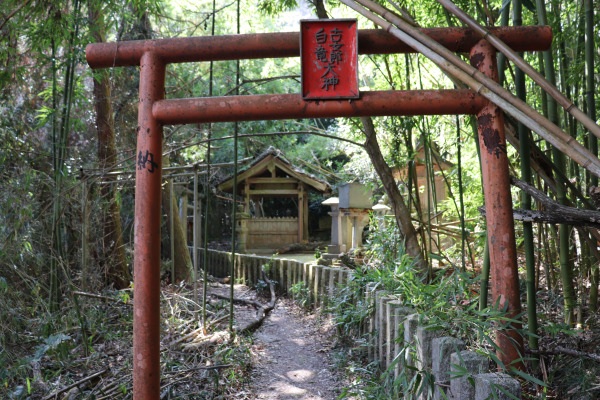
(192, 334)
(238, 300)
(208, 367)
(99, 297)
(263, 311)
(84, 380)
(204, 341)
(572, 218)
(556, 213)
(570, 352)
(224, 336)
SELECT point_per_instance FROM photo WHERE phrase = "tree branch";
(555, 213)
(12, 14)
(570, 352)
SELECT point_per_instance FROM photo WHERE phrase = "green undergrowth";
(446, 304)
(41, 353)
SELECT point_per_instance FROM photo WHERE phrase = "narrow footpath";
(293, 359)
(291, 351)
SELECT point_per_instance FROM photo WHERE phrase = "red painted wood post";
(500, 223)
(146, 269)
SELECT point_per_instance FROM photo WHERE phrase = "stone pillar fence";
(398, 339)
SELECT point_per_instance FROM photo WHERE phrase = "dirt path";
(292, 354)
(293, 359)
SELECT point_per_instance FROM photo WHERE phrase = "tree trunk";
(183, 213)
(115, 265)
(320, 9)
(181, 258)
(407, 230)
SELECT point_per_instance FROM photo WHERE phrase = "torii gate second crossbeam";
(154, 111)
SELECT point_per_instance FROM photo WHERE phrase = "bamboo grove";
(67, 132)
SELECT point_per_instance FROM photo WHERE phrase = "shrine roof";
(273, 160)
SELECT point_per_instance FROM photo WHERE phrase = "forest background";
(64, 128)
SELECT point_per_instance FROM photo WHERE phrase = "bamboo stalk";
(524, 66)
(526, 176)
(195, 241)
(478, 82)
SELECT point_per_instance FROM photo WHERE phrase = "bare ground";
(291, 353)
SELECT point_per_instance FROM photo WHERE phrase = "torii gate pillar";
(146, 263)
(499, 212)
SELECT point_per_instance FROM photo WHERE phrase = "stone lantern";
(380, 210)
(354, 205)
(336, 247)
(349, 215)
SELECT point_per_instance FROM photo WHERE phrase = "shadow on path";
(292, 357)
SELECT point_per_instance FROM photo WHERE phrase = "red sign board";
(329, 58)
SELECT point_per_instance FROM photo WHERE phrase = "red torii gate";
(154, 111)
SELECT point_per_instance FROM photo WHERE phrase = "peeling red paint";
(500, 223)
(286, 44)
(477, 60)
(290, 106)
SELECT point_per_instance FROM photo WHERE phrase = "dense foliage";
(59, 206)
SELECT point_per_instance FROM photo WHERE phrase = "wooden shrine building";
(275, 211)
(426, 189)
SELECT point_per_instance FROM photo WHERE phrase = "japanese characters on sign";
(329, 58)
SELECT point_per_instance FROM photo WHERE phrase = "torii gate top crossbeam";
(286, 44)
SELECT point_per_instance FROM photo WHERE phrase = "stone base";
(336, 249)
(329, 256)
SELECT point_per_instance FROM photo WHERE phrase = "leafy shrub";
(301, 294)
(448, 303)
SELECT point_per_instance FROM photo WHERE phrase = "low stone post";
(424, 347)
(475, 363)
(410, 331)
(315, 284)
(242, 268)
(239, 267)
(384, 330)
(275, 271)
(394, 308)
(293, 275)
(424, 356)
(333, 276)
(370, 322)
(343, 276)
(487, 386)
(257, 270)
(212, 263)
(249, 277)
(377, 332)
(283, 275)
(298, 267)
(310, 283)
(400, 314)
(325, 272)
(290, 274)
(441, 349)
(209, 262)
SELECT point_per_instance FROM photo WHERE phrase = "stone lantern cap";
(333, 202)
(381, 208)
